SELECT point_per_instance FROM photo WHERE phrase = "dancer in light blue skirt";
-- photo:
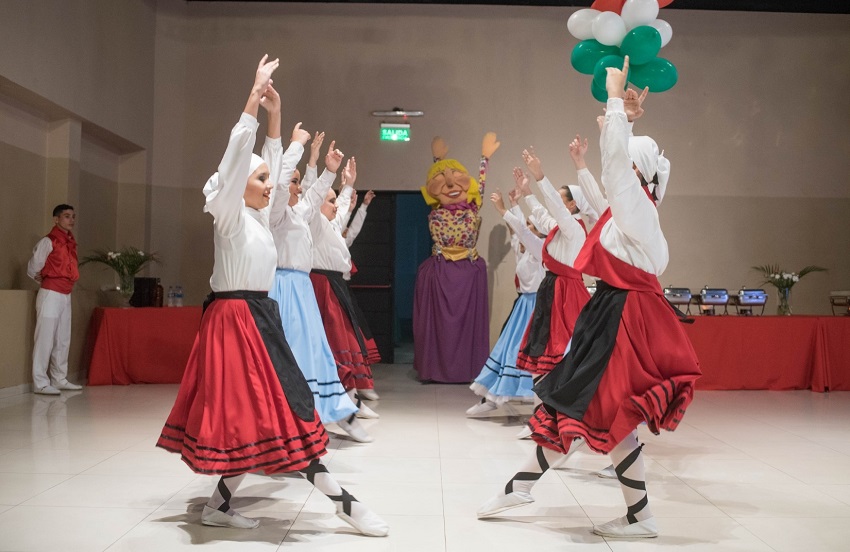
(500, 381)
(290, 212)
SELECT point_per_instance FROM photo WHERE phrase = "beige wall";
(753, 129)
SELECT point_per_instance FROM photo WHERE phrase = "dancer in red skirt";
(630, 361)
(243, 404)
(331, 259)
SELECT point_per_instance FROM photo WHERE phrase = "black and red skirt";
(560, 298)
(243, 403)
(345, 336)
(630, 362)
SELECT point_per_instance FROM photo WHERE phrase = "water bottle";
(178, 296)
(170, 297)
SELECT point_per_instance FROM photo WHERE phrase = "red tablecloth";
(772, 352)
(140, 345)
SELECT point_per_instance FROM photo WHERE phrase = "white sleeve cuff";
(249, 121)
(615, 105)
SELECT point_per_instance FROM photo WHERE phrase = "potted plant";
(784, 281)
(127, 262)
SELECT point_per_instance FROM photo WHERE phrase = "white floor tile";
(745, 471)
(69, 529)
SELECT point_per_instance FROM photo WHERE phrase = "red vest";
(60, 270)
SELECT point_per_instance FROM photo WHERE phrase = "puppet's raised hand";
(489, 145)
(439, 149)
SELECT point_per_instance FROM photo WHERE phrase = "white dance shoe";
(621, 529)
(68, 386)
(366, 522)
(366, 412)
(368, 394)
(503, 502)
(607, 473)
(355, 431)
(524, 433)
(216, 518)
(481, 408)
(46, 390)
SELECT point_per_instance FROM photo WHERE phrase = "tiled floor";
(746, 471)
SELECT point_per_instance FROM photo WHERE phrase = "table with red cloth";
(772, 352)
(140, 345)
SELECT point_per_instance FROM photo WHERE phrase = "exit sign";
(391, 132)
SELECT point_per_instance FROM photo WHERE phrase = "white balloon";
(609, 28)
(580, 23)
(664, 29)
(639, 12)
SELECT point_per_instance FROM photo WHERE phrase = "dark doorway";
(392, 244)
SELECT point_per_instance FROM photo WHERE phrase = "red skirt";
(231, 415)
(570, 296)
(649, 378)
(355, 371)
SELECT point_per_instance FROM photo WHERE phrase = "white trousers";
(52, 338)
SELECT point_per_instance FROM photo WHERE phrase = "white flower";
(141, 253)
(796, 278)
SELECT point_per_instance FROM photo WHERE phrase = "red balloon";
(615, 6)
(664, 3)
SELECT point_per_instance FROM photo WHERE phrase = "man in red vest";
(54, 267)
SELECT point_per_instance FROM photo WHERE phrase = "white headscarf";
(644, 153)
(211, 187)
(583, 205)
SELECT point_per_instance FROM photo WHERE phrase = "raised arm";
(358, 219)
(311, 173)
(540, 217)
(347, 197)
(592, 192)
(312, 199)
(488, 147)
(225, 202)
(633, 212)
(532, 242)
(287, 163)
(567, 225)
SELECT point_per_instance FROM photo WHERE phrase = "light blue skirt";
(305, 334)
(500, 380)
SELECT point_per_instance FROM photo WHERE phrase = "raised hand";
(533, 163)
(615, 81)
(632, 103)
(300, 135)
(367, 199)
(498, 202)
(349, 173)
(600, 120)
(522, 183)
(270, 99)
(489, 145)
(263, 78)
(315, 148)
(514, 196)
(439, 148)
(333, 159)
(353, 203)
(578, 148)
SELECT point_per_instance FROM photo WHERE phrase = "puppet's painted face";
(450, 186)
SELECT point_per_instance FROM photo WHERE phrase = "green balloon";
(598, 92)
(600, 75)
(641, 44)
(587, 52)
(659, 75)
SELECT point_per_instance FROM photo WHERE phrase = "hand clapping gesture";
(262, 81)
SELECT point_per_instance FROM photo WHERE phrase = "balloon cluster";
(613, 29)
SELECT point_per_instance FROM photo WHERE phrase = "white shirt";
(356, 225)
(40, 252)
(569, 239)
(529, 263)
(244, 249)
(329, 249)
(290, 225)
(633, 233)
